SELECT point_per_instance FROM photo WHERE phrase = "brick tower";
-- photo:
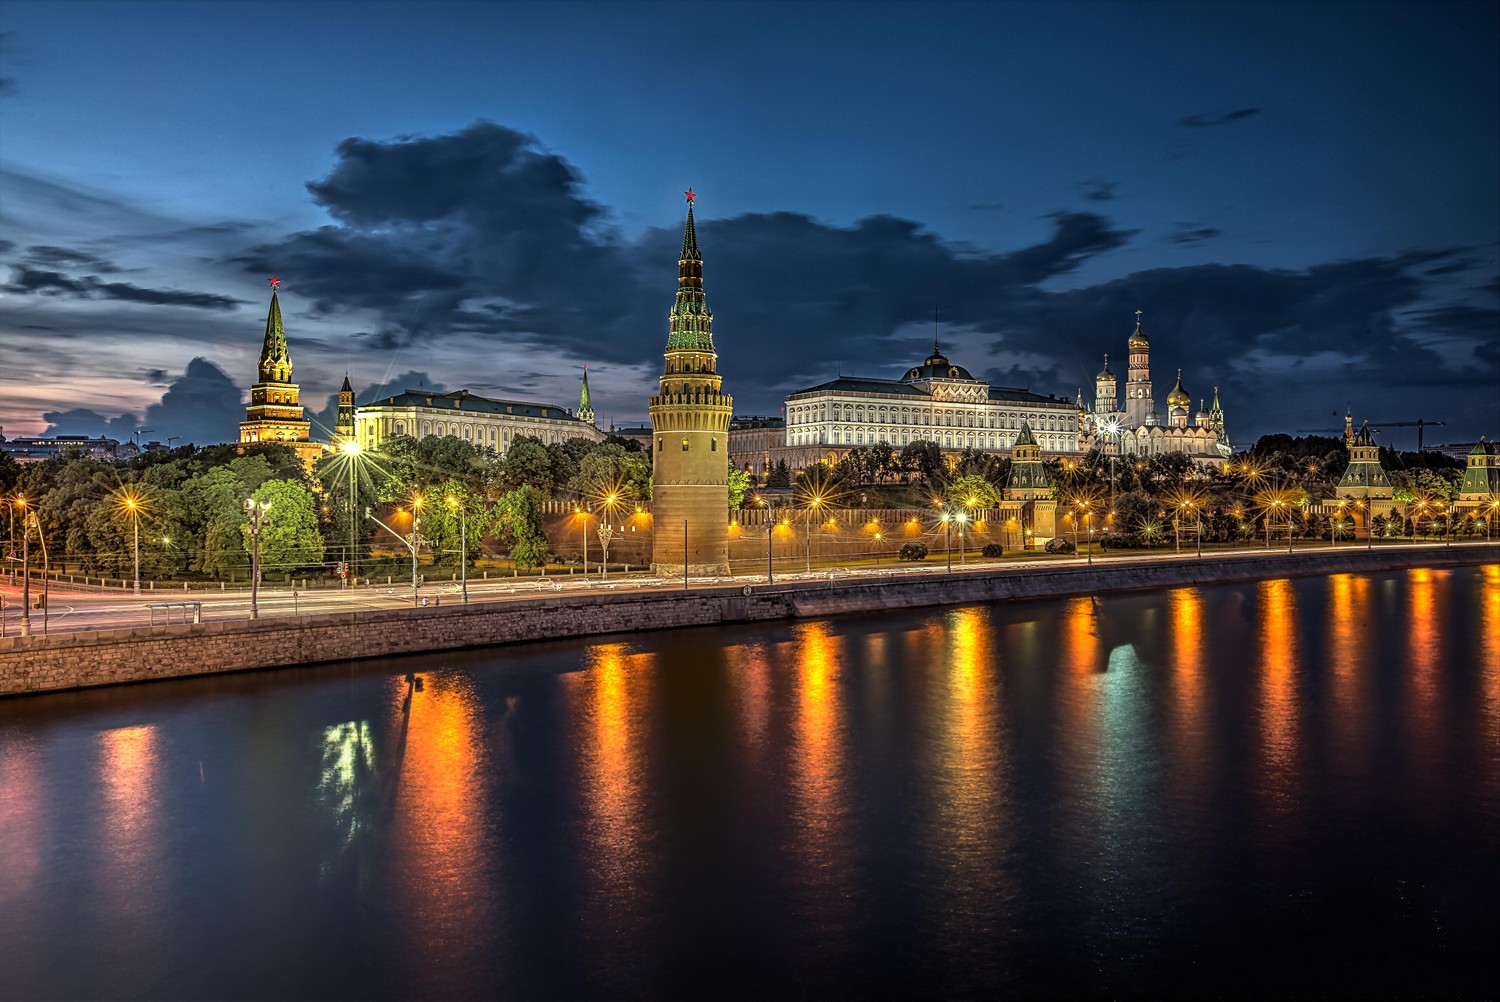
(690, 426)
(274, 415)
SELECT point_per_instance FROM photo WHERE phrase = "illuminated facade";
(936, 401)
(690, 425)
(274, 414)
(343, 425)
(1136, 429)
(1480, 488)
(475, 419)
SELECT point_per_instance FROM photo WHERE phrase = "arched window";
(713, 445)
(661, 444)
(684, 445)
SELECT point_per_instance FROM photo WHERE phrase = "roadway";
(75, 610)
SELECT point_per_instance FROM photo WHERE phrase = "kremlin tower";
(690, 430)
(274, 415)
(1139, 410)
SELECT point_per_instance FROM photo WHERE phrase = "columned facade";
(690, 431)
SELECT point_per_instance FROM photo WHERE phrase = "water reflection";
(613, 766)
(817, 758)
(131, 824)
(24, 819)
(1189, 703)
(442, 836)
(346, 773)
(1423, 622)
(1280, 654)
(1350, 619)
(971, 811)
(1487, 624)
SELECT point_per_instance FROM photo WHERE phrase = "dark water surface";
(1290, 787)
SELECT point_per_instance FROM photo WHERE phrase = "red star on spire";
(275, 283)
(690, 196)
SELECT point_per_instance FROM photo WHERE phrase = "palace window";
(684, 445)
(713, 445)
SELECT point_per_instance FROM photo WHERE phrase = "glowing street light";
(350, 449)
(416, 541)
(255, 511)
(463, 545)
(130, 503)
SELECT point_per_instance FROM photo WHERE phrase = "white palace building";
(936, 401)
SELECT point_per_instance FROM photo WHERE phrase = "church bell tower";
(690, 432)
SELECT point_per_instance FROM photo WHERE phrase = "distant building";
(36, 450)
(1136, 429)
(753, 440)
(475, 419)
(274, 414)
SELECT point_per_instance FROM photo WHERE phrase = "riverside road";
(75, 610)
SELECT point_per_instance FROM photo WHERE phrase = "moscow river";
(1289, 787)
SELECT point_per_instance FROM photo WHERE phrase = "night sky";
(1304, 199)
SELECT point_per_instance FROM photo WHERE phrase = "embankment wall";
(80, 660)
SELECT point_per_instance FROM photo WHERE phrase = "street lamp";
(255, 511)
(963, 520)
(350, 449)
(948, 532)
(416, 541)
(25, 565)
(765, 503)
(132, 504)
(463, 545)
(813, 505)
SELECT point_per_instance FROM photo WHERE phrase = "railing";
(167, 607)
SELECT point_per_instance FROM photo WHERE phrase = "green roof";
(465, 402)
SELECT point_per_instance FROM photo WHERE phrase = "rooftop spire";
(346, 388)
(691, 320)
(275, 361)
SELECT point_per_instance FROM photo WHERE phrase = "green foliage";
(527, 464)
(971, 493)
(779, 475)
(289, 538)
(739, 483)
(1133, 510)
(517, 518)
(913, 550)
(924, 460)
(992, 550)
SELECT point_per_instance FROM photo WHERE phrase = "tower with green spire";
(585, 404)
(274, 414)
(1028, 484)
(690, 433)
(1480, 488)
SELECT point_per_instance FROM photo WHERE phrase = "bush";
(913, 551)
(992, 550)
(1060, 545)
(1120, 541)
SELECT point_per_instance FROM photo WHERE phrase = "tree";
(972, 492)
(289, 538)
(739, 482)
(527, 464)
(925, 459)
(779, 476)
(517, 518)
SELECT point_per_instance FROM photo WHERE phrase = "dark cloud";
(203, 405)
(1189, 234)
(1224, 118)
(62, 257)
(156, 377)
(484, 235)
(1097, 190)
(32, 281)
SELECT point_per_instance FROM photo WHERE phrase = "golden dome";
(1179, 397)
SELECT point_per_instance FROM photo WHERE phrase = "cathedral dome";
(1179, 397)
(1106, 374)
(936, 367)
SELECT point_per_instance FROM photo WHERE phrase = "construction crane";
(1419, 424)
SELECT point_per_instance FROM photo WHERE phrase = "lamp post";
(46, 572)
(351, 456)
(255, 511)
(765, 503)
(133, 505)
(963, 520)
(948, 532)
(463, 546)
(416, 542)
(25, 566)
(606, 533)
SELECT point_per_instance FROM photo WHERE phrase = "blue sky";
(1303, 199)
